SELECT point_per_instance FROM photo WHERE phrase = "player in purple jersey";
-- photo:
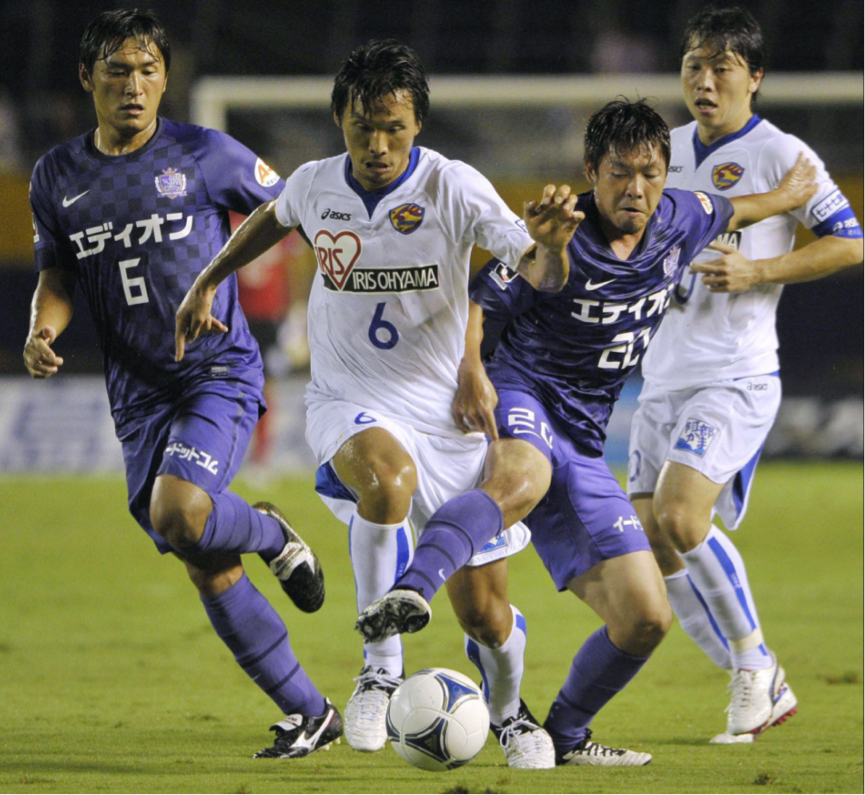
(132, 211)
(558, 371)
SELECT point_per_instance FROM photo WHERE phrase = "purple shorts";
(201, 438)
(585, 517)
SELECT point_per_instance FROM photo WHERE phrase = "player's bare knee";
(490, 628)
(642, 631)
(517, 492)
(386, 497)
(179, 514)
(677, 523)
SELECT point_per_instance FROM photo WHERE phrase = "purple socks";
(455, 532)
(234, 527)
(257, 637)
(598, 672)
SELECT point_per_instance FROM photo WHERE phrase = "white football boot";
(592, 753)
(525, 742)
(758, 701)
(366, 711)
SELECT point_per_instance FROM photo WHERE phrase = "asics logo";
(590, 286)
(69, 202)
(335, 216)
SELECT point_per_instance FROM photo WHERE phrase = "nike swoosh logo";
(442, 574)
(590, 286)
(69, 202)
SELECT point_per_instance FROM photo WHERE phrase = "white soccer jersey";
(709, 337)
(389, 304)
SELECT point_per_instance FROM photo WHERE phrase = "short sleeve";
(51, 250)
(707, 214)
(828, 212)
(480, 215)
(291, 201)
(236, 178)
(502, 294)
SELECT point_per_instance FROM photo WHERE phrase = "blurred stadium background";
(512, 85)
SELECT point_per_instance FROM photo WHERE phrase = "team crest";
(337, 255)
(406, 218)
(171, 183)
(726, 175)
(671, 262)
(696, 437)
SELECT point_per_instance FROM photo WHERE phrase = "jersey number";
(381, 333)
(628, 342)
(134, 289)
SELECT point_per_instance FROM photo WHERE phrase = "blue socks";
(455, 532)
(257, 637)
(234, 527)
(598, 672)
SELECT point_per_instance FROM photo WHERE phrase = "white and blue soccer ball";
(437, 719)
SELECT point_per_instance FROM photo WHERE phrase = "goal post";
(213, 97)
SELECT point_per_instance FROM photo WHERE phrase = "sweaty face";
(628, 187)
(380, 143)
(127, 88)
(718, 89)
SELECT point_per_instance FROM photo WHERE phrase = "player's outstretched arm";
(253, 237)
(50, 313)
(794, 190)
(476, 398)
(732, 273)
(551, 224)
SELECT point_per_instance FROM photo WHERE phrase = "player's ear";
(591, 176)
(756, 80)
(336, 121)
(84, 77)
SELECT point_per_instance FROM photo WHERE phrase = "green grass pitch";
(111, 679)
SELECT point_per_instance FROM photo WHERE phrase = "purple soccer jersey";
(136, 230)
(574, 350)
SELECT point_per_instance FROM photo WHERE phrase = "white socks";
(380, 553)
(718, 572)
(695, 618)
(502, 670)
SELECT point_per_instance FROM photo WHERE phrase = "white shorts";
(446, 467)
(719, 430)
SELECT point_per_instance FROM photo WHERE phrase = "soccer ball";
(437, 719)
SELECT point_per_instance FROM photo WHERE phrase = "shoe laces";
(371, 685)
(741, 689)
(591, 748)
(524, 734)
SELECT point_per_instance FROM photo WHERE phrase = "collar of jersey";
(371, 198)
(91, 149)
(595, 232)
(701, 151)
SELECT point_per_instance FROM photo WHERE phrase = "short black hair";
(733, 29)
(622, 126)
(375, 70)
(106, 33)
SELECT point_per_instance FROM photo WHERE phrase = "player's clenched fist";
(40, 360)
(194, 318)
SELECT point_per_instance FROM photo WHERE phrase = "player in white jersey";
(712, 386)
(392, 226)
